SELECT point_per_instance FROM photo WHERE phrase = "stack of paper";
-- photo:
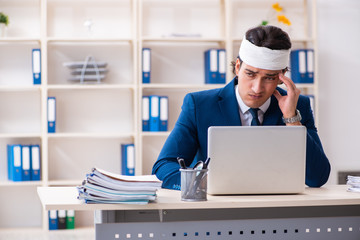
(101, 186)
(353, 183)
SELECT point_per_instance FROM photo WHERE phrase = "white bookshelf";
(93, 120)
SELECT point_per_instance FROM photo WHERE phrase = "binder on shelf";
(35, 163)
(14, 162)
(221, 78)
(154, 113)
(70, 219)
(128, 159)
(26, 161)
(298, 65)
(61, 219)
(211, 66)
(164, 113)
(146, 65)
(36, 65)
(145, 113)
(51, 114)
(10, 163)
(53, 220)
(310, 65)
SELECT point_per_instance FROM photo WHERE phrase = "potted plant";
(4, 21)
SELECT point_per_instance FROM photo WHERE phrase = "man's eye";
(250, 74)
(270, 78)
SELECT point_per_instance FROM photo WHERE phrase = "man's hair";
(267, 36)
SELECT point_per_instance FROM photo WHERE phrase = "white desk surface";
(57, 198)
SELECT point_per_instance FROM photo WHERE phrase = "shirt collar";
(244, 108)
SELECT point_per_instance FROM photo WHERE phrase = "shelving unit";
(93, 120)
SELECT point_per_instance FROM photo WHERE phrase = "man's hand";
(288, 103)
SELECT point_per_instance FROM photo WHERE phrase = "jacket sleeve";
(182, 142)
(317, 164)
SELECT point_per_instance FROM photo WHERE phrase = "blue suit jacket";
(219, 107)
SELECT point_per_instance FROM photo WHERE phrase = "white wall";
(339, 86)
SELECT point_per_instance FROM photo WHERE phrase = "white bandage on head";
(262, 57)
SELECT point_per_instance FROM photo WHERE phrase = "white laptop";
(256, 160)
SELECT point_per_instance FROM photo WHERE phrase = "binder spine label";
(222, 66)
(128, 159)
(164, 113)
(51, 114)
(146, 64)
(154, 113)
(17, 173)
(145, 113)
(26, 163)
(35, 162)
(36, 66)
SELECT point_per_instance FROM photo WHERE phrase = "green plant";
(4, 18)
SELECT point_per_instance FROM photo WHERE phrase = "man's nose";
(257, 85)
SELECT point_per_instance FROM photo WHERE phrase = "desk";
(319, 213)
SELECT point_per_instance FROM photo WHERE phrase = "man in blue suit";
(251, 98)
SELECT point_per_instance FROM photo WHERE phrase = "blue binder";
(35, 163)
(53, 220)
(128, 159)
(14, 163)
(146, 65)
(298, 66)
(51, 114)
(145, 113)
(26, 162)
(10, 160)
(36, 65)
(211, 66)
(310, 65)
(154, 113)
(164, 113)
(221, 78)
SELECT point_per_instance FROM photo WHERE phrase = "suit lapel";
(228, 105)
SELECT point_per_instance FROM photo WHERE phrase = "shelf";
(181, 86)
(155, 134)
(90, 86)
(19, 40)
(90, 135)
(66, 182)
(20, 88)
(89, 39)
(181, 39)
(20, 135)
(20, 184)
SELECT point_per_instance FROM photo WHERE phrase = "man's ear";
(237, 66)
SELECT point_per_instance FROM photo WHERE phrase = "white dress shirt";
(245, 115)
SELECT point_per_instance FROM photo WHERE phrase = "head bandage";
(262, 57)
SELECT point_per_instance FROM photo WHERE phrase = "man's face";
(256, 85)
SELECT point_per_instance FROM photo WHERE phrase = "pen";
(206, 163)
(181, 162)
(199, 165)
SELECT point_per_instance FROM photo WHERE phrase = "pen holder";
(193, 184)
